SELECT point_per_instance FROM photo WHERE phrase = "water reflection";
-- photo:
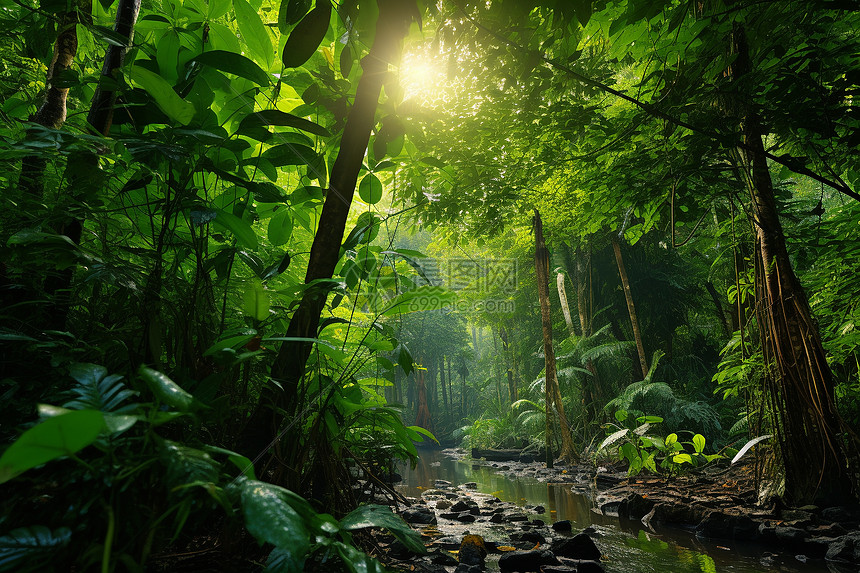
(627, 547)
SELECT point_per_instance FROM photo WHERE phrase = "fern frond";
(98, 391)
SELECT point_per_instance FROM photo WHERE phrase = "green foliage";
(31, 548)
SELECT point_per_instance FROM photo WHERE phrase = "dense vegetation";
(251, 252)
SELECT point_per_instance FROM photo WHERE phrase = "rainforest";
(290, 285)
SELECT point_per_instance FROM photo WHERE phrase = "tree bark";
(565, 308)
(512, 384)
(100, 115)
(631, 308)
(289, 366)
(813, 448)
(553, 393)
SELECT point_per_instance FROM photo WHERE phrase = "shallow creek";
(627, 547)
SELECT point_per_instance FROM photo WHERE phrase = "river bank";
(715, 514)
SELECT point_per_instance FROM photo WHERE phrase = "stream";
(628, 547)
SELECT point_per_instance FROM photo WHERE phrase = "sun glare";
(422, 78)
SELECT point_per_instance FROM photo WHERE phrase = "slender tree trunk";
(553, 393)
(512, 384)
(423, 418)
(565, 308)
(631, 308)
(812, 445)
(444, 386)
(724, 323)
(583, 292)
(288, 369)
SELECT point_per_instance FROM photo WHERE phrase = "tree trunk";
(631, 308)
(52, 112)
(423, 417)
(100, 115)
(553, 393)
(565, 308)
(512, 384)
(813, 449)
(442, 382)
(289, 366)
(724, 323)
(583, 292)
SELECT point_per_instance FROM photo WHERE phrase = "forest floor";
(717, 502)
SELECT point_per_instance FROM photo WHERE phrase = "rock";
(839, 514)
(464, 505)
(726, 526)
(463, 568)
(563, 525)
(470, 485)
(525, 561)
(465, 518)
(577, 547)
(441, 483)
(539, 509)
(790, 535)
(443, 504)
(497, 518)
(634, 507)
(472, 551)
(532, 537)
(845, 549)
(517, 517)
(559, 569)
(441, 558)
(582, 566)
(419, 515)
(795, 515)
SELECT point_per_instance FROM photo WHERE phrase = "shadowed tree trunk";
(812, 442)
(724, 323)
(512, 384)
(283, 391)
(631, 308)
(553, 393)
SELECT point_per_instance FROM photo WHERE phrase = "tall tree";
(553, 393)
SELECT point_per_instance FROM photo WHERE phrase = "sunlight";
(423, 78)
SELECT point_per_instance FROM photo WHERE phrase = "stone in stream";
(579, 546)
(442, 483)
(472, 551)
(465, 505)
(443, 504)
(563, 525)
(579, 565)
(532, 537)
(497, 518)
(527, 561)
(420, 515)
(845, 549)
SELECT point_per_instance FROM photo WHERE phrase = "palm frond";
(96, 390)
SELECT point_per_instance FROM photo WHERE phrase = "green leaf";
(284, 560)
(270, 519)
(381, 516)
(33, 546)
(420, 299)
(56, 437)
(277, 117)
(682, 458)
(290, 12)
(253, 31)
(370, 189)
(165, 98)
(166, 389)
(245, 465)
(218, 8)
(671, 439)
(699, 443)
(255, 301)
(280, 227)
(241, 229)
(290, 154)
(233, 63)
(307, 35)
(612, 438)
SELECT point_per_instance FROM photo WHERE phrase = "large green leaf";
(279, 118)
(235, 64)
(167, 390)
(56, 437)
(370, 189)
(31, 548)
(290, 12)
(241, 229)
(254, 32)
(420, 299)
(271, 519)
(381, 516)
(290, 154)
(280, 227)
(255, 301)
(167, 100)
(307, 35)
